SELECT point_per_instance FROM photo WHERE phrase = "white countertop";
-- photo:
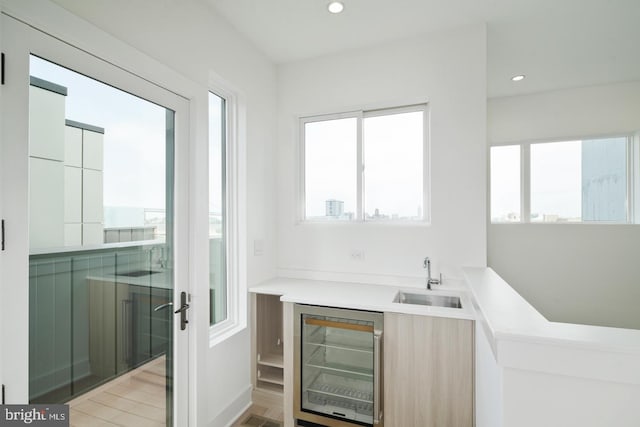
(366, 296)
(507, 315)
(485, 296)
(162, 279)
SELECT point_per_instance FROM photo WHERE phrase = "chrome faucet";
(427, 264)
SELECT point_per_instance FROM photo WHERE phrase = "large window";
(567, 181)
(366, 166)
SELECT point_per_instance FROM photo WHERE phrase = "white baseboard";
(237, 407)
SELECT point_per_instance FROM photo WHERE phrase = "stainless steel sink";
(428, 299)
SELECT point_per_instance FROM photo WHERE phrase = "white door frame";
(14, 193)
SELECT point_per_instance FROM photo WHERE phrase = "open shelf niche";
(268, 343)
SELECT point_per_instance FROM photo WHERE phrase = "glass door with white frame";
(93, 152)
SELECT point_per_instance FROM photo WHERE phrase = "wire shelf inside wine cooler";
(336, 391)
(359, 342)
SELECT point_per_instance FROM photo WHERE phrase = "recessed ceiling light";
(335, 7)
(518, 78)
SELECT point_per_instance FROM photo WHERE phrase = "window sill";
(357, 223)
(553, 224)
(220, 332)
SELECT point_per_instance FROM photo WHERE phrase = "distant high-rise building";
(334, 208)
(604, 180)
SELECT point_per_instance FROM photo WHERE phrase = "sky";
(505, 181)
(216, 139)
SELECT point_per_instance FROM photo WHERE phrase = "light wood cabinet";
(428, 371)
(268, 345)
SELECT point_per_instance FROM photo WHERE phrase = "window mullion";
(525, 183)
(633, 174)
(360, 170)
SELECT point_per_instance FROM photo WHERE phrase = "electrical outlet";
(357, 255)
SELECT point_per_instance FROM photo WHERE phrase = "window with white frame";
(218, 294)
(577, 181)
(227, 313)
(365, 166)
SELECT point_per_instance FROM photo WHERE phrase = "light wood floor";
(136, 399)
(272, 413)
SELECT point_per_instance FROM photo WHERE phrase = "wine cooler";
(338, 367)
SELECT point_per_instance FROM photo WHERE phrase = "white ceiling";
(556, 43)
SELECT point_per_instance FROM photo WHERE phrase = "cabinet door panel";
(46, 204)
(73, 146)
(92, 234)
(92, 150)
(92, 196)
(73, 234)
(72, 195)
(46, 113)
(428, 371)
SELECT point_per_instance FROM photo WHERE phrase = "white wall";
(534, 399)
(448, 70)
(488, 386)
(192, 39)
(571, 273)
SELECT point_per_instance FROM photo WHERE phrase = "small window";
(569, 181)
(505, 183)
(366, 166)
(218, 293)
(227, 285)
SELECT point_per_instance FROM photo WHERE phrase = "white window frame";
(235, 214)
(633, 179)
(360, 115)
(633, 176)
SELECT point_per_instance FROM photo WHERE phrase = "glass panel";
(604, 180)
(101, 209)
(393, 174)
(330, 169)
(556, 170)
(505, 183)
(337, 367)
(579, 181)
(217, 215)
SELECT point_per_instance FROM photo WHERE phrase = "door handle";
(183, 311)
(161, 306)
(377, 379)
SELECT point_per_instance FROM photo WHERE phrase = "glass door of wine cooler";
(339, 357)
